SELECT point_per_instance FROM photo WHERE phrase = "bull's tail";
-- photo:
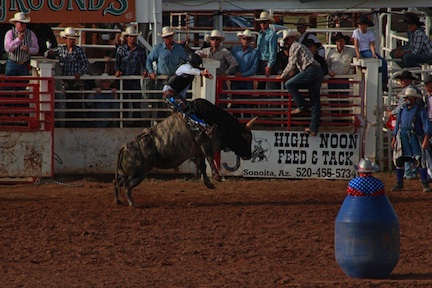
(118, 184)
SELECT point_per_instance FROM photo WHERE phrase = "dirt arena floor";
(244, 233)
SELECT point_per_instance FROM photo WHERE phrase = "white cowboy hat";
(366, 166)
(104, 77)
(131, 31)
(166, 31)
(247, 33)
(69, 32)
(19, 17)
(302, 22)
(410, 92)
(264, 16)
(288, 32)
(216, 34)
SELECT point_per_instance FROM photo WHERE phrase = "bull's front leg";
(200, 163)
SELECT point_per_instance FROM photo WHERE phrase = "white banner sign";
(281, 154)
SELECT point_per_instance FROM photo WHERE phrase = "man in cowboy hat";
(420, 46)
(228, 64)
(410, 141)
(302, 27)
(339, 60)
(247, 57)
(20, 43)
(131, 60)
(73, 62)
(266, 45)
(303, 71)
(167, 55)
(103, 91)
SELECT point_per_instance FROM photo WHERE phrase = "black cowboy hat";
(365, 20)
(413, 19)
(406, 75)
(339, 36)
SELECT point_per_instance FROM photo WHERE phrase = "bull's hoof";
(210, 185)
(118, 202)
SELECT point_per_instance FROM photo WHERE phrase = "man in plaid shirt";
(131, 60)
(73, 62)
(303, 71)
(420, 49)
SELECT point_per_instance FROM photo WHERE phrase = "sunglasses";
(215, 39)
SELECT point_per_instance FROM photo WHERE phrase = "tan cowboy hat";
(166, 31)
(302, 22)
(19, 17)
(247, 33)
(366, 166)
(216, 34)
(131, 31)
(69, 32)
(264, 16)
(288, 32)
(104, 77)
(410, 92)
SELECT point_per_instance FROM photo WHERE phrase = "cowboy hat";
(104, 77)
(19, 17)
(365, 20)
(428, 79)
(131, 31)
(410, 92)
(366, 166)
(166, 31)
(406, 75)
(293, 33)
(247, 34)
(264, 16)
(216, 34)
(309, 43)
(302, 22)
(413, 20)
(69, 32)
(340, 36)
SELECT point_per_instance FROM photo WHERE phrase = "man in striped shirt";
(20, 43)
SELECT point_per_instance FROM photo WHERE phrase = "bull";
(172, 141)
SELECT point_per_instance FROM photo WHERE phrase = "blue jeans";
(414, 60)
(311, 78)
(15, 69)
(384, 68)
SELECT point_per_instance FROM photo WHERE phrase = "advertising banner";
(282, 154)
(70, 11)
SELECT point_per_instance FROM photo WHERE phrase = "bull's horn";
(251, 122)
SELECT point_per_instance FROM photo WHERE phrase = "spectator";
(168, 56)
(420, 46)
(409, 17)
(364, 43)
(73, 62)
(410, 139)
(309, 74)
(20, 43)
(228, 64)
(313, 47)
(339, 60)
(247, 58)
(301, 28)
(103, 85)
(267, 47)
(131, 60)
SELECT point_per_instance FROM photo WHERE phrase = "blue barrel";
(367, 237)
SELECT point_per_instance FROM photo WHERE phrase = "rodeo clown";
(366, 184)
(175, 90)
(410, 141)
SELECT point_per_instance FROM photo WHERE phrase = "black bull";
(171, 142)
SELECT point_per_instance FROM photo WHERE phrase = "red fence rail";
(23, 106)
(339, 107)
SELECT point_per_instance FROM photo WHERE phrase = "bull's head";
(243, 147)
